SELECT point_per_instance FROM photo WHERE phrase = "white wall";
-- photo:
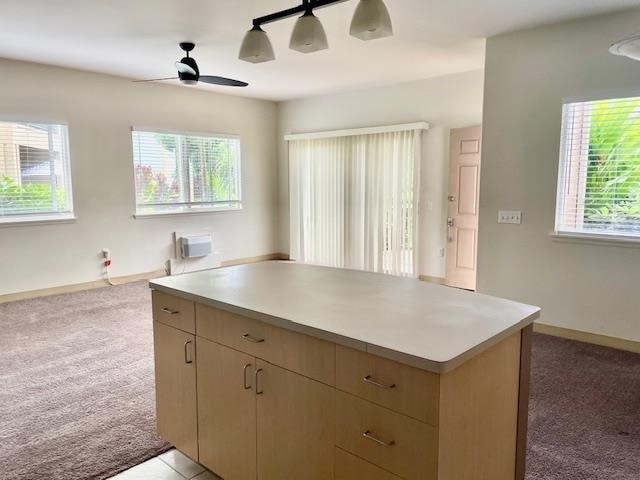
(589, 287)
(100, 111)
(445, 102)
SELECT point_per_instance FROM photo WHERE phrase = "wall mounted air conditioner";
(193, 246)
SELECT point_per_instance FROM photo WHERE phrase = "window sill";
(596, 239)
(33, 220)
(141, 216)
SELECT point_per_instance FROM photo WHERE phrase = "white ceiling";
(139, 39)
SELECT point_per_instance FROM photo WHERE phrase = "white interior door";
(464, 194)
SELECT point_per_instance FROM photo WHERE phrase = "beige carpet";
(76, 385)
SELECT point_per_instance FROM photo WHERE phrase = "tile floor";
(171, 465)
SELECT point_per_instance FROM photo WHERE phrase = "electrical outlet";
(510, 216)
(441, 252)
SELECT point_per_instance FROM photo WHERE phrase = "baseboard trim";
(258, 258)
(45, 292)
(587, 337)
(76, 287)
(430, 279)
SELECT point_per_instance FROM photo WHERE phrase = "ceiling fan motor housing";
(186, 76)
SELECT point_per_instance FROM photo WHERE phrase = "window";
(599, 173)
(353, 201)
(185, 173)
(35, 179)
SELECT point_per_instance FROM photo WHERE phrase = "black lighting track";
(306, 5)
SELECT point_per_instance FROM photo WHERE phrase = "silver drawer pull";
(244, 377)
(255, 381)
(252, 339)
(370, 380)
(368, 435)
(187, 358)
(169, 311)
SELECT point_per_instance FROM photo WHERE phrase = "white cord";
(106, 271)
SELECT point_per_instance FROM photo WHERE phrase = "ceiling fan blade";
(155, 79)
(228, 82)
(184, 68)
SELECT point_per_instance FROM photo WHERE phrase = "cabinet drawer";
(350, 467)
(390, 440)
(174, 311)
(299, 353)
(401, 388)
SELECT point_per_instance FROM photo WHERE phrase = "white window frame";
(580, 235)
(190, 208)
(37, 218)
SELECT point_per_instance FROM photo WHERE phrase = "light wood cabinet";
(174, 311)
(299, 353)
(175, 369)
(296, 421)
(273, 404)
(226, 411)
(350, 467)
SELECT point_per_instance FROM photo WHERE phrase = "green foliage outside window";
(30, 198)
(211, 172)
(613, 170)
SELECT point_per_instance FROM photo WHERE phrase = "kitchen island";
(279, 370)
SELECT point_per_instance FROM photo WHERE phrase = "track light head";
(371, 20)
(308, 34)
(256, 46)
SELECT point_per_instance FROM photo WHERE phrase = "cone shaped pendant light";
(308, 34)
(371, 20)
(256, 46)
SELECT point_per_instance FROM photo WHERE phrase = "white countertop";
(428, 326)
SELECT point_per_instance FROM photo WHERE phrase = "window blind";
(354, 201)
(176, 172)
(35, 177)
(599, 169)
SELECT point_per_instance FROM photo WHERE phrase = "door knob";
(451, 198)
(450, 229)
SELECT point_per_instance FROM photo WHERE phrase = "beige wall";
(445, 102)
(590, 287)
(100, 111)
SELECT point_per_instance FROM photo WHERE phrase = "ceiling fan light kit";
(629, 47)
(371, 20)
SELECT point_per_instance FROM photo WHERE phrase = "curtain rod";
(358, 131)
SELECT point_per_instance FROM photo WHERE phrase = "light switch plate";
(510, 216)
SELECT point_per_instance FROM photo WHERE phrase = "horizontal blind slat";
(185, 171)
(34, 170)
(599, 169)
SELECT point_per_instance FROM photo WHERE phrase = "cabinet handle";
(186, 352)
(370, 380)
(169, 311)
(249, 338)
(368, 435)
(244, 377)
(255, 381)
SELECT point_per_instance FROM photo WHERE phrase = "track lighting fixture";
(371, 20)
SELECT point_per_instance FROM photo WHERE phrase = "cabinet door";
(226, 411)
(296, 425)
(176, 388)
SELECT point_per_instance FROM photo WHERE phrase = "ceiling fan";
(189, 74)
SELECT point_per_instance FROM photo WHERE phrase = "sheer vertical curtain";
(354, 201)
